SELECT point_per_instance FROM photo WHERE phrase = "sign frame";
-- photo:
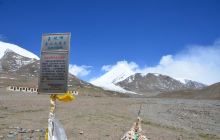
(54, 63)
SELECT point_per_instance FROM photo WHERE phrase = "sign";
(54, 63)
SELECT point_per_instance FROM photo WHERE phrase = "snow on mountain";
(8, 46)
(150, 83)
(124, 78)
(11, 61)
(182, 80)
(144, 74)
(191, 84)
(153, 83)
(156, 74)
(114, 75)
(194, 84)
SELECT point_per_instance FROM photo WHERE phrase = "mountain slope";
(151, 84)
(194, 85)
(11, 61)
(209, 92)
(191, 84)
(31, 69)
(26, 75)
(123, 77)
(116, 74)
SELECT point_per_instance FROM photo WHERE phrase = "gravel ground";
(108, 118)
(198, 116)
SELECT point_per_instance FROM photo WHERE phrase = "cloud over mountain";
(197, 62)
(79, 70)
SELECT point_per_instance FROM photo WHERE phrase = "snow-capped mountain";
(156, 83)
(123, 79)
(149, 83)
(18, 64)
(21, 51)
(191, 84)
(11, 61)
(116, 74)
(18, 67)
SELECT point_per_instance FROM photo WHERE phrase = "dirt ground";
(108, 118)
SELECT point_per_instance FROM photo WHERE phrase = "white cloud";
(199, 63)
(79, 70)
(106, 68)
(166, 60)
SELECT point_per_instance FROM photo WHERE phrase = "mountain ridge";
(154, 83)
(210, 92)
(23, 70)
(18, 70)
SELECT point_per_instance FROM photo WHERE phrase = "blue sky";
(107, 31)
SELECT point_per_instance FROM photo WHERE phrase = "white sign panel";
(54, 63)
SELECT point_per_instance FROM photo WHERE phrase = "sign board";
(54, 63)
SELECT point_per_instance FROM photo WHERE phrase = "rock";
(81, 132)
(22, 131)
(11, 132)
(10, 135)
(18, 129)
(37, 130)
(1, 137)
(42, 130)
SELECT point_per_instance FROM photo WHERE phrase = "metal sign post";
(53, 78)
(54, 63)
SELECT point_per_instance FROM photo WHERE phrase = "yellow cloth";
(67, 97)
(46, 134)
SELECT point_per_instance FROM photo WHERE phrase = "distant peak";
(152, 74)
(156, 74)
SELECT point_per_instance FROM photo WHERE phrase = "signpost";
(53, 78)
(54, 63)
